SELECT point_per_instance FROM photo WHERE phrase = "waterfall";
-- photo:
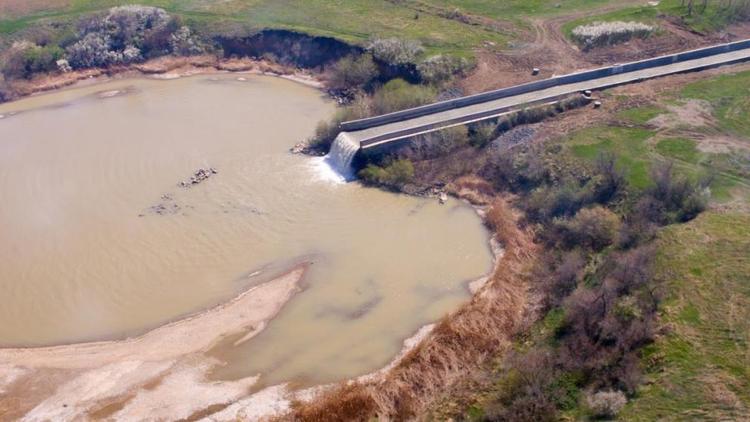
(342, 153)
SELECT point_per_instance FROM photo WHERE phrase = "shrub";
(599, 34)
(440, 69)
(482, 134)
(394, 175)
(609, 180)
(25, 58)
(326, 131)
(93, 50)
(398, 94)
(394, 51)
(183, 43)
(524, 393)
(6, 93)
(127, 34)
(559, 276)
(439, 143)
(672, 198)
(594, 228)
(352, 72)
(550, 201)
(606, 404)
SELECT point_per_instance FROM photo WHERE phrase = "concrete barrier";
(543, 84)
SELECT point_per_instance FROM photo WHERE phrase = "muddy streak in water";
(100, 242)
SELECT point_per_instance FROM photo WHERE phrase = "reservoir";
(105, 235)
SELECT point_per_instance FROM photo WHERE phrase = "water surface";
(100, 242)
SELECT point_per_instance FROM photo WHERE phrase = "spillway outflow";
(341, 155)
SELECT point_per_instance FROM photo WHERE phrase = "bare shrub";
(672, 198)
(441, 68)
(609, 178)
(184, 43)
(524, 391)
(482, 134)
(558, 277)
(437, 144)
(606, 404)
(395, 51)
(352, 72)
(600, 34)
(594, 228)
(550, 201)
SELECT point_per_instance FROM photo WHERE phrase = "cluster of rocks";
(199, 176)
(515, 136)
(166, 206)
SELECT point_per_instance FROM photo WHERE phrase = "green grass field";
(700, 370)
(436, 23)
(637, 144)
(712, 19)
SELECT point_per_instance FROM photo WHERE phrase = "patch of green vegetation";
(729, 96)
(628, 144)
(712, 19)
(635, 150)
(701, 369)
(640, 115)
(680, 149)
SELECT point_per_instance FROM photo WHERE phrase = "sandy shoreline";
(148, 377)
(167, 67)
(135, 378)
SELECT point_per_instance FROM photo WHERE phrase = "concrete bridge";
(380, 130)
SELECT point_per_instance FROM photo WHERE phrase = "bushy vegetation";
(352, 73)
(435, 144)
(606, 404)
(122, 35)
(128, 34)
(609, 33)
(395, 51)
(395, 174)
(601, 282)
(398, 94)
(441, 68)
(25, 58)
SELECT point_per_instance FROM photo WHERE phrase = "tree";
(352, 73)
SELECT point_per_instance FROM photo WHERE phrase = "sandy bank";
(159, 375)
(167, 67)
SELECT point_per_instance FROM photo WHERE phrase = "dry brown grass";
(473, 189)
(459, 344)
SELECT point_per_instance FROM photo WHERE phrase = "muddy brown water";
(99, 241)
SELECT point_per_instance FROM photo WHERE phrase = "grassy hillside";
(700, 369)
(455, 26)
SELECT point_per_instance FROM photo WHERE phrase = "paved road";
(380, 135)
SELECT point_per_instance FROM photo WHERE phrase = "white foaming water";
(341, 155)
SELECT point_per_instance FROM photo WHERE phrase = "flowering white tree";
(609, 33)
(395, 51)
